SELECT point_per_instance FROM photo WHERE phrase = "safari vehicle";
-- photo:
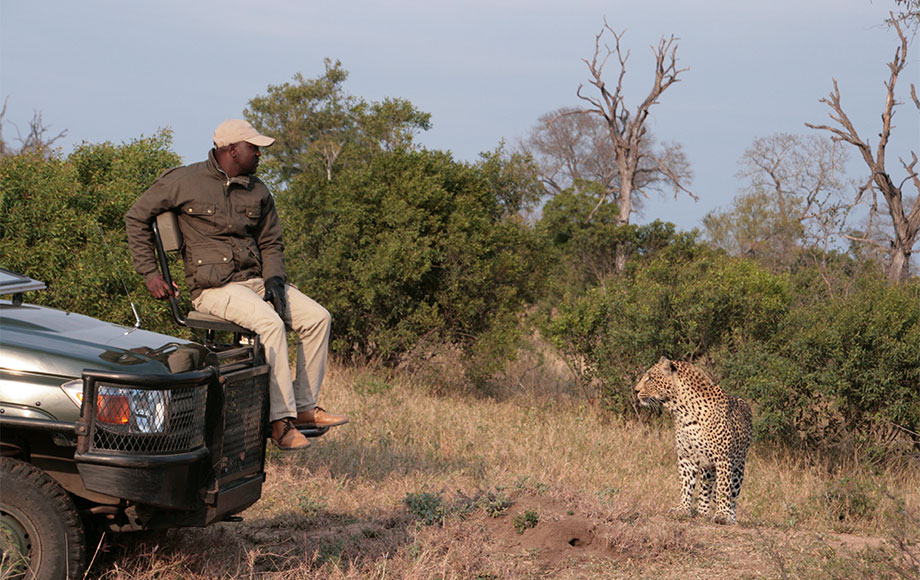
(105, 428)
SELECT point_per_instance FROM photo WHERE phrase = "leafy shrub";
(837, 372)
(587, 245)
(62, 222)
(411, 247)
(683, 309)
(525, 520)
(494, 504)
(849, 500)
(428, 508)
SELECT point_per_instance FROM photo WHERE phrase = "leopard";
(712, 432)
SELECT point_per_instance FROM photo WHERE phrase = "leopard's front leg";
(707, 483)
(689, 473)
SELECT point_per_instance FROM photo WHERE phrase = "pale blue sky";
(113, 70)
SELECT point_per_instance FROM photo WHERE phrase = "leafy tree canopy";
(62, 222)
(413, 245)
(319, 128)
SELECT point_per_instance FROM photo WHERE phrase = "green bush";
(838, 372)
(62, 222)
(685, 309)
(586, 246)
(413, 247)
(426, 507)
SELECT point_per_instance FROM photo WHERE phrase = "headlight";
(74, 390)
(123, 408)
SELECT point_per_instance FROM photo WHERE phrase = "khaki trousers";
(242, 303)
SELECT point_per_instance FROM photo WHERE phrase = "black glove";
(274, 293)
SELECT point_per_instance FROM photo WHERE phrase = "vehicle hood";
(49, 341)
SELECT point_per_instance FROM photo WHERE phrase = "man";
(234, 267)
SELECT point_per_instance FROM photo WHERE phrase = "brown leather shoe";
(286, 437)
(318, 418)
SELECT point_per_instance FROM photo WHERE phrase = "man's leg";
(312, 323)
(242, 303)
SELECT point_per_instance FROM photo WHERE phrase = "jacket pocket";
(253, 212)
(200, 209)
(213, 264)
(248, 217)
(202, 216)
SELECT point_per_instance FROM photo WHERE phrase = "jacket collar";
(215, 169)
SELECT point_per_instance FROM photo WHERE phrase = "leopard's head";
(657, 384)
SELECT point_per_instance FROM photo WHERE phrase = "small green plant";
(525, 482)
(309, 506)
(332, 552)
(608, 493)
(524, 521)
(428, 508)
(494, 504)
(372, 386)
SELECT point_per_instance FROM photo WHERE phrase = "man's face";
(247, 156)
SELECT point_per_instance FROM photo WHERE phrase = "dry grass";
(483, 469)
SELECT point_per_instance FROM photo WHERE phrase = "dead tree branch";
(906, 224)
(627, 130)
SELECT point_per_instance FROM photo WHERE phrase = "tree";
(318, 127)
(792, 200)
(587, 247)
(635, 160)
(36, 140)
(905, 222)
(841, 369)
(573, 150)
(62, 222)
(685, 302)
(413, 249)
(908, 13)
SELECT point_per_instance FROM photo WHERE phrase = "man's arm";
(271, 246)
(138, 220)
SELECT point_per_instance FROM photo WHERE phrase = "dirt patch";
(536, 536)
(625, 544)
(550, 533)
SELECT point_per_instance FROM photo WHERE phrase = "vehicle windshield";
(11, 283)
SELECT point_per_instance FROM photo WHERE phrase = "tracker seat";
(168, 238)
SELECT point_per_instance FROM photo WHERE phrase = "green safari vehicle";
(106, 428)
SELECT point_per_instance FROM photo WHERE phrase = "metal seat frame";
(168, 238)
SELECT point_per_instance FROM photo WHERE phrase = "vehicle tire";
(41, 535)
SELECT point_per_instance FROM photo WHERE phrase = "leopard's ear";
(672, 366)
(663, 359)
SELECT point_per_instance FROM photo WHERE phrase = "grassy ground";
(532, 483)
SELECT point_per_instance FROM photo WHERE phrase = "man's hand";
(275, 293)
(159, 289)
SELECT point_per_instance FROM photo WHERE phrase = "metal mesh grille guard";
(139, 420)
(149, 422)
(146, 415)
(246, 400)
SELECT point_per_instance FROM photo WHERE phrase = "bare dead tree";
(908, 14)
(627, 131)
(36, 139)
(794, 203)
(570, 149)
(4, 149)
(573, 149)
(905, 223)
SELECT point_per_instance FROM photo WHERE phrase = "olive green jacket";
(230, 226)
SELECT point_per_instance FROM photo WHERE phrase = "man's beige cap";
(237, 130)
